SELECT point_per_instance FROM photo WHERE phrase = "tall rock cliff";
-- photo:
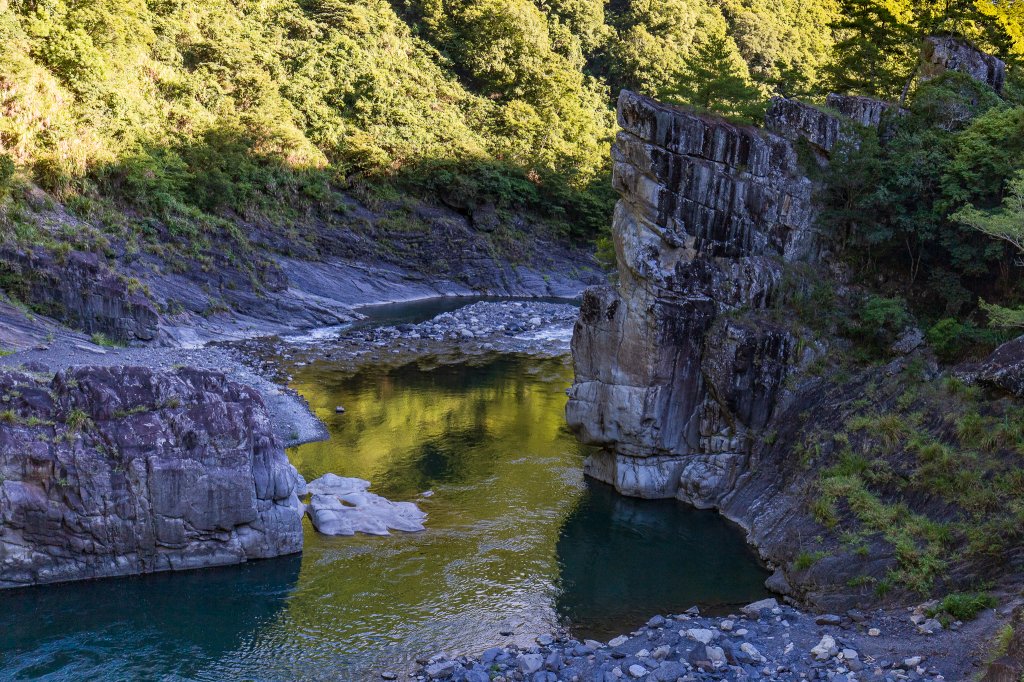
(706, 373)
(682, 364)
(108, 471)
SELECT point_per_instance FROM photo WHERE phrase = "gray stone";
(828, 619)
(637, 671)
(529, 663)
(114, 471)
(667, 385)
(753, 611)
(439, 669)
(343, 506)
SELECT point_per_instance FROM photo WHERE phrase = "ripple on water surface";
(515, 538)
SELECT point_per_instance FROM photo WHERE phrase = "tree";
(874, 53)
(715, 79)
(1005, 223)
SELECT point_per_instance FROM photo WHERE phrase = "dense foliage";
(193, 117)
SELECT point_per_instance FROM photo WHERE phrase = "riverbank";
(486, 329)
(762, 641)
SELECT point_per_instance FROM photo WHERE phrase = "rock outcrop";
(80, 291)
(949, 53)
(681, 365)
(108, 471)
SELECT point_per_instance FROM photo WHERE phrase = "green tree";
(874, 52)
(713, 79)
(1007, 224)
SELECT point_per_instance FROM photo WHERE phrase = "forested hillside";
(171, 123)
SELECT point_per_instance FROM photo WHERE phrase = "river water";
(516, 541)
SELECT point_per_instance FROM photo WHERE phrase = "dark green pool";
(516, 539)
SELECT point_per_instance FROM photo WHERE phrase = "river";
(516, 541)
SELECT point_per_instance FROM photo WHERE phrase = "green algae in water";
(515, 538)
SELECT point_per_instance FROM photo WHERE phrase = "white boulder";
(343, 506)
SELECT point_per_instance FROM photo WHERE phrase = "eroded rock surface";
(344, 506)
(949, 53)
(108, 471)
(682, 364)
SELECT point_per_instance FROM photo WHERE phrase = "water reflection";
(622, 560)
(515, 537)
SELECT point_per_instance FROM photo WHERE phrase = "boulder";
(109, 471)
(1003, 369)
(343, 506)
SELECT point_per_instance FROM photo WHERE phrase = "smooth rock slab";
(343, 506)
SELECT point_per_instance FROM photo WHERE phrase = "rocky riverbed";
(762, 641)
(480, 329)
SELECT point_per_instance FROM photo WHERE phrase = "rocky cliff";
(712, 373)
(680, 366)
(108, 471)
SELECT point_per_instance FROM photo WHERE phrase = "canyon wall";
(108, 471)
(682, 364)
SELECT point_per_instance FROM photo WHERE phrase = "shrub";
(963, 605)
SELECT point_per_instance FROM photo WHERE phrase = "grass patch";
(77, 420)
(963, 605)
(101, 339)
(805, 560)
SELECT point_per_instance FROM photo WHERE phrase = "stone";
(618, 641)
(343, 506)
(707, 213)
(912, 661)
(81, 290)
(159, 470)
(701, 635)
(715, 654)
(1003, 369)
(929, 627)
(909, 340)
(753, 611)
(849, 654)
(828, 619)
(637, 671)
(339, 409)
(874, 632)
(778, 583)
(388, 676)
(825, 649)
(529, 663)
(751, 651)
(726, 625)
(864, 111)
(439, 669)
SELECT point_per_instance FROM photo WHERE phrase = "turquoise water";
(516, 539)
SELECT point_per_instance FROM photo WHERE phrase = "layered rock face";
(948, 53)
(81, 291)
(108, 471)
(681, 365)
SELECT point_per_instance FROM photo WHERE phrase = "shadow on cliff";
(163, 622)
